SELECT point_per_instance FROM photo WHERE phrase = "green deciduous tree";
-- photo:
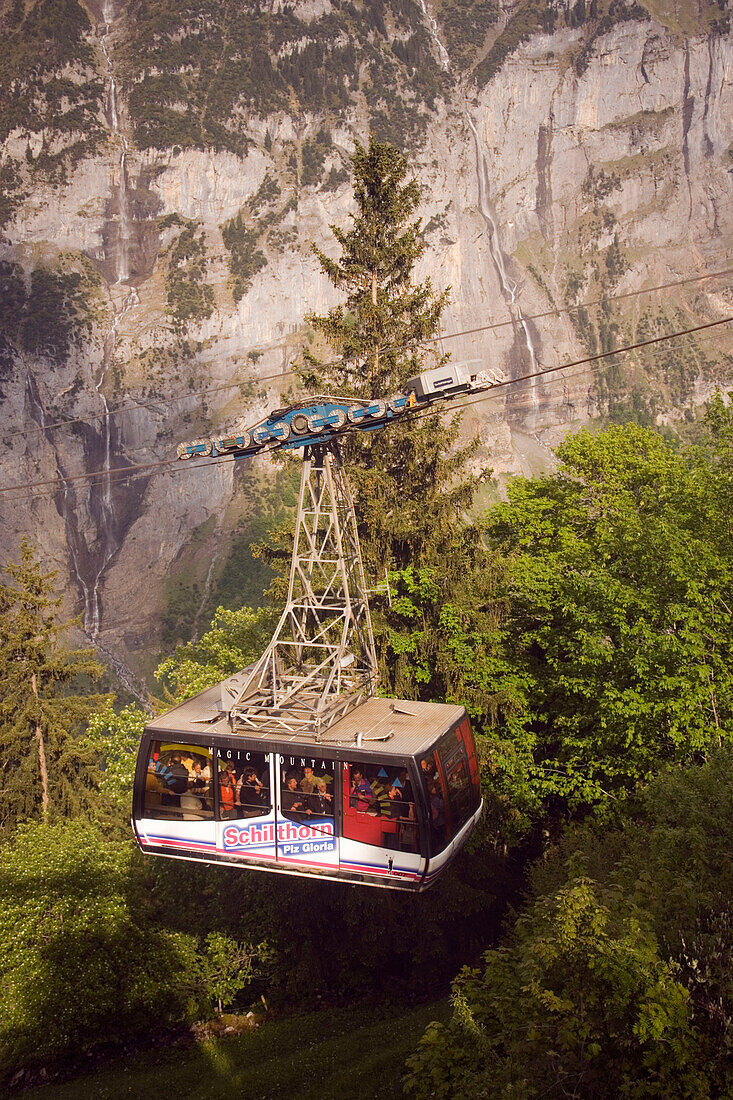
(235, 639)
(668, 850)
(79, 966)
(612, 649)
(115, 738)
(87, 957)
(581, 1005)
(617, 980)
(229, 967)
(45, 770)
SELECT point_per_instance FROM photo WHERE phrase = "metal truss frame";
(321, 661)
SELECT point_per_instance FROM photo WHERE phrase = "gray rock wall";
(533, 178)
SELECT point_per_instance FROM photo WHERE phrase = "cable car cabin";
(386, 798)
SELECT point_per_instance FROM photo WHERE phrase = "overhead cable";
(137, 405)
(409, 415)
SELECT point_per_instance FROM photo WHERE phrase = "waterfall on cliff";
(507, 284)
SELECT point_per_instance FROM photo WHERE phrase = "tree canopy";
(597, 645)
(616, 980)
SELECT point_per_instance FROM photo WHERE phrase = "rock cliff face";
(566, 157)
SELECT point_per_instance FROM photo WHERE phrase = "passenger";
(437, 812)
(198, 781)
(428, 770)
(175, 779)
(179, 773)
(404, 778)
(397, 807)
(308, 782)
(251, 791)
(227, 791)
(293, 800)
(321, 800)
(361, 795)
(200, 786)
(153, 786)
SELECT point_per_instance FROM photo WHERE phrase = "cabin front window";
(178, 782)
(379, 805)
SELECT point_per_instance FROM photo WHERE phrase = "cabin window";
(306, 788)
(450, 777)
(244, 784)
(178, 782)
(379, 805)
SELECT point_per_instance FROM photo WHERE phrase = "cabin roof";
(414, 727)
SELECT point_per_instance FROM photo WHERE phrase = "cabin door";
(306, 826)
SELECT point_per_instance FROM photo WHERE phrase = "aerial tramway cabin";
(386, 797)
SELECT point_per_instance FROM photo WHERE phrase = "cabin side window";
(379, 805)
(178, 782)
(450, 777)
(306, 788)
(244, 784)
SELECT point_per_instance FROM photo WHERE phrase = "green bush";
(79, 966)
(617, 981)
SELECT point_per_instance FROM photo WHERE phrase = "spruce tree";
(45, 772)
(411, 481)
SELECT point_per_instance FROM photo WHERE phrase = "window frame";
(155, 744)
(219, 754)
(346, 766)
(461, 731)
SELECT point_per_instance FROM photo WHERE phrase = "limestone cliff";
(160, 186)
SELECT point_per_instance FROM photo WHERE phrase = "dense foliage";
(613, 985)
(44, 41)
(193, 75)
(44, 312)
(82, 960)
(592, 642)
(190, 298)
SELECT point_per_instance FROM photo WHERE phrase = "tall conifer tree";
(44, 772)
(411, 480)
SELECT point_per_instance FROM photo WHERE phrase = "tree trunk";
(375, 369)
(41, 754)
